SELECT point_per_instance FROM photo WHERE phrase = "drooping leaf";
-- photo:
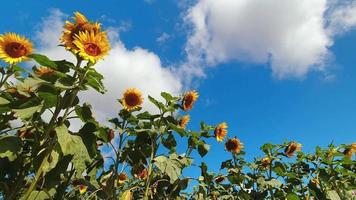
(84, 112)
(26, 113)
(203, 148)
(73, 145)
(172, 165)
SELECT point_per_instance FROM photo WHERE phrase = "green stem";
(52, 142)
(9, 73)
(145, 197)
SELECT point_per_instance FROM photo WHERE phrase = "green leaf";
(43, 60)
(73, 145)
(26, 113)
(4, 101)
(157, 103)
(94, 80)
(172, 165)
(203, 148)
(166, 96)
(127, 195)
(332, 194)
(169, 141)
(10, 147)
(84, 112)
(52, 161)
(292, 196)
(50, 99)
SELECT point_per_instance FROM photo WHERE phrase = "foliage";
(43, 157)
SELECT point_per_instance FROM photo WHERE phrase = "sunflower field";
(42, 157)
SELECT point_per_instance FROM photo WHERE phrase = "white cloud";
(122, 68)
(292, 36)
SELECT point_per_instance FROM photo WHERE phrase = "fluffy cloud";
(122, 68)
(292, 36)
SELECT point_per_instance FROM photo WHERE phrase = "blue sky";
(262, 99)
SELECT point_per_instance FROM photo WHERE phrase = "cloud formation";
(294, 37)
(122, 68)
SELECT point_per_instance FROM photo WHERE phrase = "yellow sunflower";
(220, 132)
(234, 145)
(315, 181)
(82, 189)
(44, 71)
(189, 99)
(14, 48)
(184, 121)
(132, 99)
(265, 162)
(92, 46)
(80, 24)
(291, 148)
(349, 151)
(122, 178)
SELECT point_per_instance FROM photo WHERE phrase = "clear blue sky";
(258, 107)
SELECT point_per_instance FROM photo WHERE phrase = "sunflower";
(349, 151)
(189, 99)
(184, 121)
(92, 46)
(132, 99)
(265, 162)
(44, 71)
(234, 145)
(315, 181)
(220, 132)
(122, 178)
(14, 48)
(291, 148)
(82, 189)
(80, 24)
(219, 179)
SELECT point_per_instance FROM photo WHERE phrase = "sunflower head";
(189, 99)
(14, 48)
(92, 46)
(220, 132)
(315, 181)
(291, 148)
(265, 162)
(348, 152)
(132, 99)
(184, 121)
(80, 24)
(82, 189)
(234, 145)
(122, 178)
(219, 179)
(44, 71)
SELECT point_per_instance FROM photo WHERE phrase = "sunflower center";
(92, 49)
(132, 100)
(231, 145)
(188, 100)
(15, 49)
